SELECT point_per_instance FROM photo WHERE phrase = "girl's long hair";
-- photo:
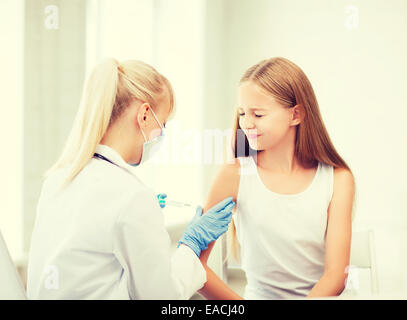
(289, 85)
(110, 88)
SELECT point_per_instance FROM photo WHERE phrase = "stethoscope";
(99, 156)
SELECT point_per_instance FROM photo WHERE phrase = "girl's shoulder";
(225, 184)
(343, 176)
(343, 186)
(230, 169)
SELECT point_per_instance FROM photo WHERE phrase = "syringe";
(176, 203)
(163, 201)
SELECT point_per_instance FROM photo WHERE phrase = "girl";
(99, 231)
(293, 191)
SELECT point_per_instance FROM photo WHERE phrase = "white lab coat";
(103, 237)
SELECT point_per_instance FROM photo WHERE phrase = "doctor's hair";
(288, 84)
(108, 91)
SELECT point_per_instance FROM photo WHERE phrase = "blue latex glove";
(161, 199)
(203, 229)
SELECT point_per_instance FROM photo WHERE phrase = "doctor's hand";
(203, 229)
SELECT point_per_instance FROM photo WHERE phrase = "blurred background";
(352, 51)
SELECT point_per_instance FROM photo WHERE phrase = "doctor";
(99, 231)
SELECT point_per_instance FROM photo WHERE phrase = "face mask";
(152, 146)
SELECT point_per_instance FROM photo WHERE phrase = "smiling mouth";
(253, 136)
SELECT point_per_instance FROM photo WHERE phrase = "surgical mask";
(152, 146)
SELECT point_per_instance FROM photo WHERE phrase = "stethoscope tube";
(99, 156)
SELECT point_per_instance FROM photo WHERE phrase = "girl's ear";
(297, 113)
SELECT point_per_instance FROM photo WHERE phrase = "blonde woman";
(99, 232)
(294, 193)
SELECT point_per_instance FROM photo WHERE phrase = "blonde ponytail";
(110, 88)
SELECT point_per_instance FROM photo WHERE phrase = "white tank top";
(281, 236)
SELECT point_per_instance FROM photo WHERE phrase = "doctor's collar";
(112, 155)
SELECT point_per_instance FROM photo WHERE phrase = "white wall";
(11, 129)
(121, 28)
(54, 68)
(359, 77)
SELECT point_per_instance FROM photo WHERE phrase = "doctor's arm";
(225, 184)
(142, 246)
(338, 237)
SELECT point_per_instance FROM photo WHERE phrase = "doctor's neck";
(124, 137)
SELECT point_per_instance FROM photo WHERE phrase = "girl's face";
(264, 121)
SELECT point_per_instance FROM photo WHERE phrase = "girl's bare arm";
(225, 185)
(338, 237)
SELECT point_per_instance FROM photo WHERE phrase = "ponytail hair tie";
(118, 65)
(120, 68)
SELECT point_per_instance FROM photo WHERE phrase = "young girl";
(294, 193)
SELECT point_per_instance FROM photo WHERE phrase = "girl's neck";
(281, 157)
(283, 161)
